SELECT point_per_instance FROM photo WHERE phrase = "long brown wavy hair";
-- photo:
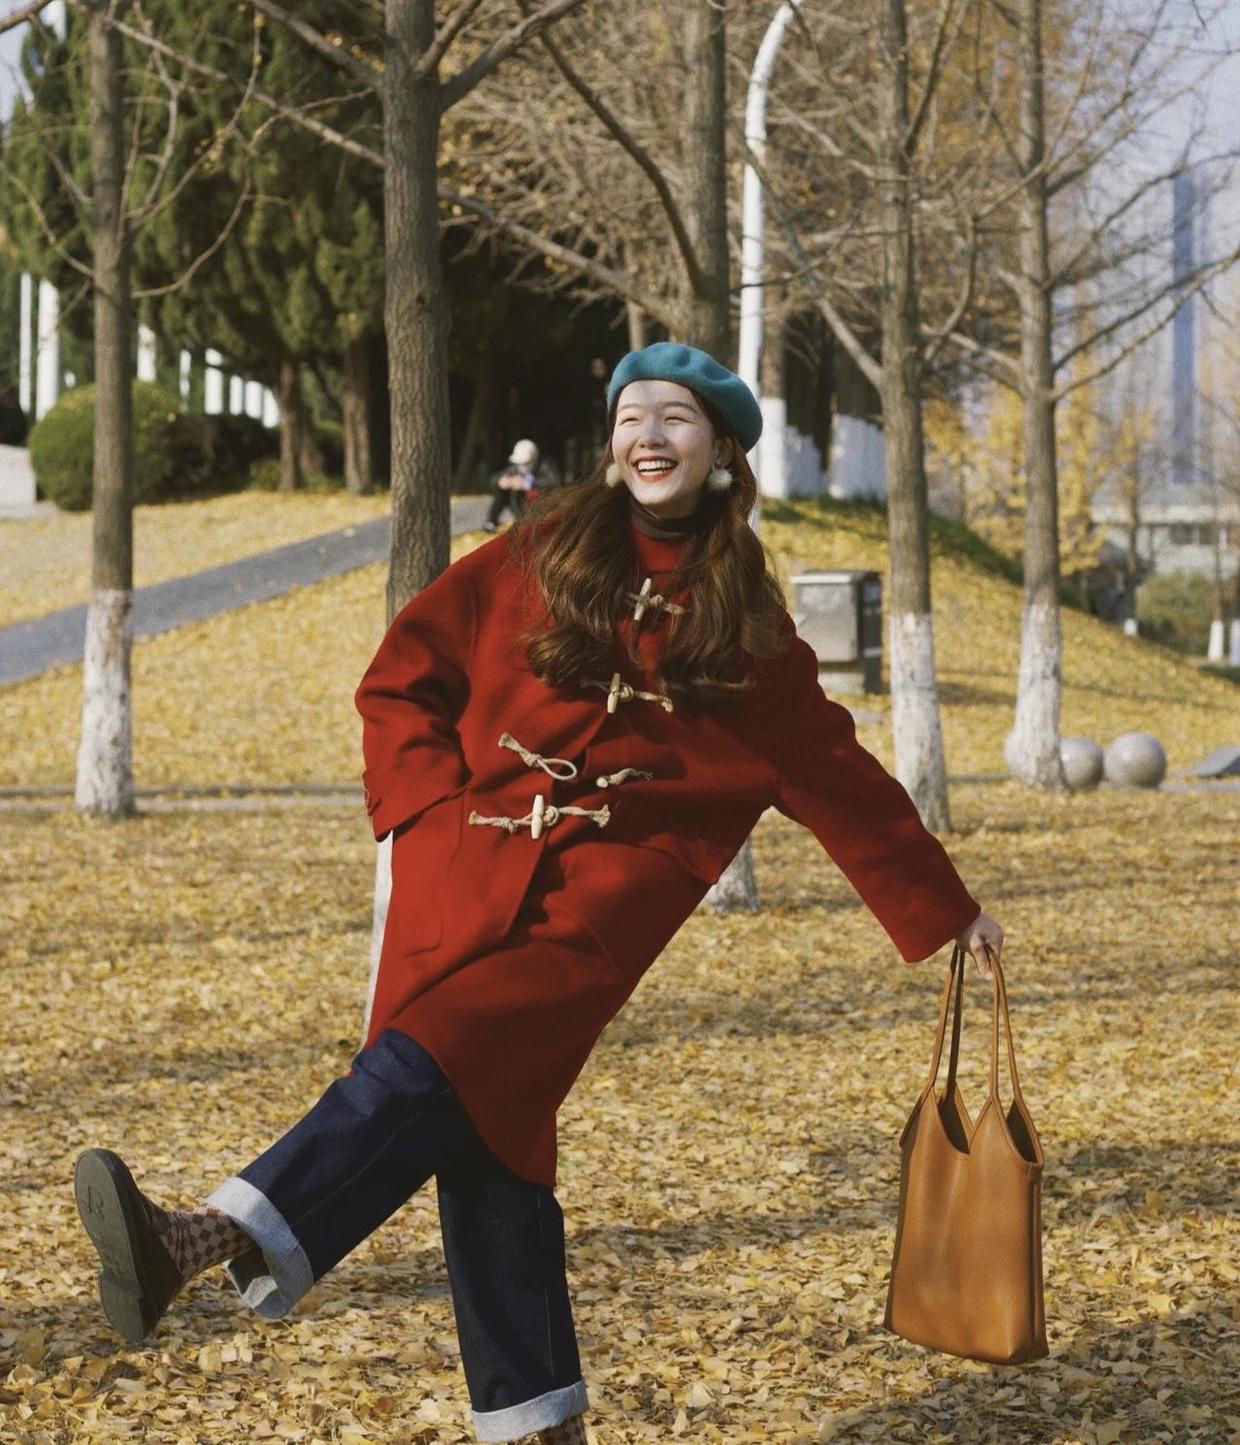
(577, 543)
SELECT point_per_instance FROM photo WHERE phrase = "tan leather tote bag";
(966, 1277)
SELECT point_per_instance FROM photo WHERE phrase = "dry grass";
(45, 562)
(182, 986)
(264, 694)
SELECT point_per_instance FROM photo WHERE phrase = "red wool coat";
(507, 953)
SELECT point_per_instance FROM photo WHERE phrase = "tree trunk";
(916, 729)
(292, 424)
(415, 307)
(1035, 741)
(359, 472)
(104, 782)
(707, 309)
(737, 888)
(415, 318)
(638, 329)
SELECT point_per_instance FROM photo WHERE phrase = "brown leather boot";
(139, 1278)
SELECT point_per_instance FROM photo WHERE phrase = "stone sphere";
(1136, 760)
(1082, 762)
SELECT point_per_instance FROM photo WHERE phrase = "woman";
(568, 735)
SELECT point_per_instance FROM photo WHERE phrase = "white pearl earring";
(612, 475)
(720, 479)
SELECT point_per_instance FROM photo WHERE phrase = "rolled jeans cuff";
(273, 1282)
(540, 1413)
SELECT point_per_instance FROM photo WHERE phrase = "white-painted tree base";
(1217, 648)
(737, 888)
(104, 783)
(1034, 751)
(916, 729)
(1233, 645)
(383, 896)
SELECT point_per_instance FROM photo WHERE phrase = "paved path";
(29, 648)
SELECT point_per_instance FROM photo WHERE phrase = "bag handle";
(955, 986)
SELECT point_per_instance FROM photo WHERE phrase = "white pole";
(185, 370)
(25, 359)
(146, 353)
(753, 219)
(236, 396)
(213, 384)
(47, 356)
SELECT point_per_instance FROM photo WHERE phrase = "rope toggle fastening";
(618, 692)
(646, 598)
(541, 816)
(559, 768)
(610, 780)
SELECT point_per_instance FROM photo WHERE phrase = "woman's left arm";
(865, 820)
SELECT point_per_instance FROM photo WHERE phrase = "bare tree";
(130, 179)
(1035, 747)
(1080, 203)
(105, 753)
(856, 226)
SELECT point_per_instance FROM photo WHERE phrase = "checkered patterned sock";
(198, 1238)
(568, 1432)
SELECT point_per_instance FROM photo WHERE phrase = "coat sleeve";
(863, 817)
(410, 699)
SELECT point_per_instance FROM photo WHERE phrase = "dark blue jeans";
(369, 1144)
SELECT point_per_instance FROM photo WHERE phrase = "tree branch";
(337, 54)
(937, 51)
(459, 85)
(614, 281)
(640, 156)
(203, 256)
(938, 339)
(451, 28)
(19, 17)
(1004, 370)
(290, 113)
(53, 241)
(840, 329)
(1203, 278)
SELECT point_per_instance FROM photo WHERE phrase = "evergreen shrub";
(175, 455)
(62, 445)
(1175, 608)
(216, 453)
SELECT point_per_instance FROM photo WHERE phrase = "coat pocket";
(422, 857)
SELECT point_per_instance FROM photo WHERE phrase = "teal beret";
(701, 373)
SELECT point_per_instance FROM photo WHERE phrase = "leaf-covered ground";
(264, 694)
(45, 561)
(181, 987)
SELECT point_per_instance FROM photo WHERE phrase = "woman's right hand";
(982, 939)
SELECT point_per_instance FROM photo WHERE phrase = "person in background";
(512, 485)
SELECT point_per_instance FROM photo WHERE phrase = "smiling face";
(664, 445)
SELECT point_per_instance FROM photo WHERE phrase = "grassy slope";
(45, 563)
(265, 694)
